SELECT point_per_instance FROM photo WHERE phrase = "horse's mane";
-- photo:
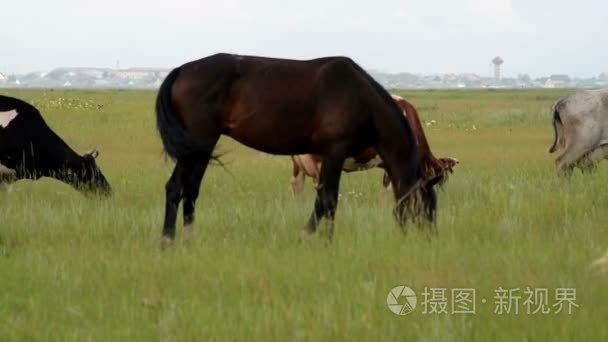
(386, 96)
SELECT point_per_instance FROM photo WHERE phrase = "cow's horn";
(93, 153)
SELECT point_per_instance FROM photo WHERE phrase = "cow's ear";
(92, 153)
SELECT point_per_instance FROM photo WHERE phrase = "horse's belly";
(270, 143)
(351, 164)
(263, 136)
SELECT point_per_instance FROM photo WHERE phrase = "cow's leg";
(7, 177)
(586, 165)
(173, 190)
(315, 181)
(310, 166)
(192, 175)
(327, 192)
(589, 162)
(5, 186)
(601, 153)
(563, 169)
(298, 177)
(575, 149)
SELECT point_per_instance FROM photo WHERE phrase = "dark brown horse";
(327, 106)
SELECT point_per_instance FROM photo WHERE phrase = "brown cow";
(310, 164)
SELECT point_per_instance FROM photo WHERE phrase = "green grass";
(73, 268)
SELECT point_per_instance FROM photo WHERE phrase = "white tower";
(497, 61)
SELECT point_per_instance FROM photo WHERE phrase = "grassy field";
(73, 268)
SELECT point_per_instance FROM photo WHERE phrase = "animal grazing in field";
(310, 164)
(580, 124)
(327, 106)
(29, 149)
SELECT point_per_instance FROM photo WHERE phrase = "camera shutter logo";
(401, 300)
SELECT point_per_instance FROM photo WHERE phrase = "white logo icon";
(401, 300)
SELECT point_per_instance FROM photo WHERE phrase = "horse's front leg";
(327, 194)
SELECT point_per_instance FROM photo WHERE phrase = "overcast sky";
(538, 37)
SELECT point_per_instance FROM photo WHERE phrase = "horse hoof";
(166, 242)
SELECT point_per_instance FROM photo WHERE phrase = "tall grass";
(78, 269)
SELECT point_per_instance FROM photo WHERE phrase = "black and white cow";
(29, 149)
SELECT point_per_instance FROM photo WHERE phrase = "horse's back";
(283, 106)
(254, 99)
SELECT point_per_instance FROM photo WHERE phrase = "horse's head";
(419, 200)
(429, 196)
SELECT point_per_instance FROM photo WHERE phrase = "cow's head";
(89, 178)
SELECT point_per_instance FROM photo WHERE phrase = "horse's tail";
(177, 142)
(557, 127)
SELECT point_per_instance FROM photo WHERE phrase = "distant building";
(449, 78)
(136, 74)
(131, 74)
(557, 81)
(3, 79)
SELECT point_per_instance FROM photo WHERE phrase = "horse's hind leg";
(173, 190)
(192, 175)
(184, 184)
(327, 194)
